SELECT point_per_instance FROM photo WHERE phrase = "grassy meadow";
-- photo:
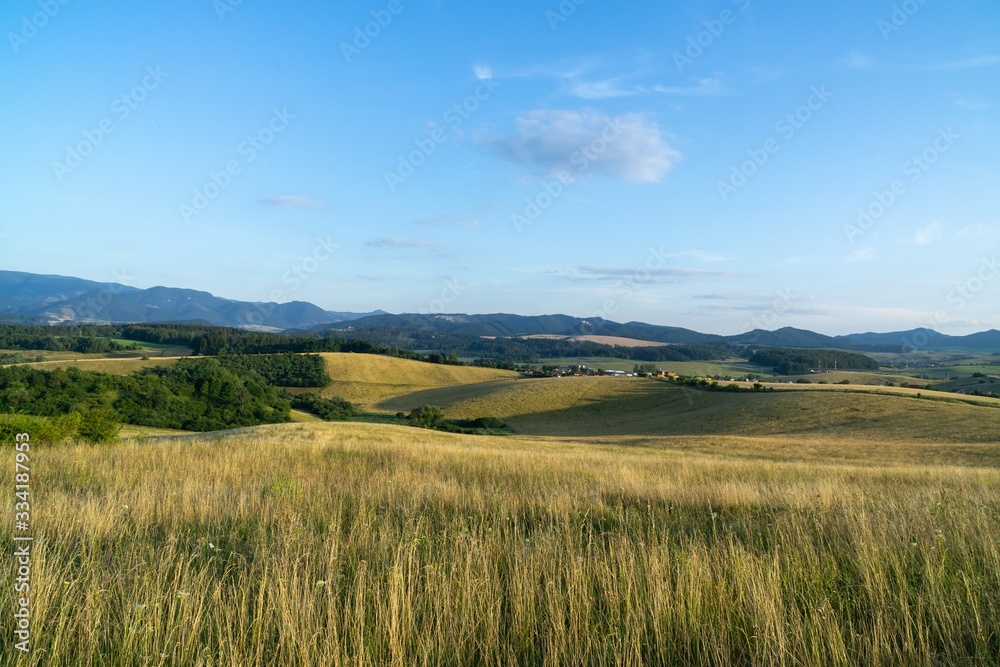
(366, 379)
(627, 522)
(355, 544)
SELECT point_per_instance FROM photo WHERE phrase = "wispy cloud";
(862, 255)
(969, 63)
(596, 79)
(654, 276)
(979, 232)
(292, 201)
(398, 242)
(630, 147)
(969, 102)
(448, 221)
(857, 60)
(928, 233)
(861, 61)
(703, 256)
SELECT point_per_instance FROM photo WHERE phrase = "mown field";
(359, 544)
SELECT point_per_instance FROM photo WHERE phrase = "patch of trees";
(281, 370)
(94, 339)
(194, 394)
(333, 409)
(433, 417)
(788, 361)
(97, 425)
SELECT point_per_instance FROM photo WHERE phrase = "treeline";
(331, 409)
(203, 339)
(789, 361)
(505, 352)
(281, 370)
(214, 341)
(87, 339)
(194, 395)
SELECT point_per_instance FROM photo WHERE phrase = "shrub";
(427, 416)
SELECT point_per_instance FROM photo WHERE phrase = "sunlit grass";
(326, 544)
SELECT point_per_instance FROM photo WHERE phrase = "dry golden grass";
(367, 379)
(356, 544)
(600, 406)
(113, 365)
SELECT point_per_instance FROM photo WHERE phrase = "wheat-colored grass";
(113, 365)
(602, 406)
(367, 379)
(359, 544)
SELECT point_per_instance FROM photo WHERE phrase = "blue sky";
(715, 165)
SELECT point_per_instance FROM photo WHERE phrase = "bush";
(427, 416)
(330, 409)
(41, 429)
(99, 425)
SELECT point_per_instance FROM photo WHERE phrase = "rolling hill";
(584, 407)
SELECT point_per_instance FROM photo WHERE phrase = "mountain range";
(28, 297)
(61, 299)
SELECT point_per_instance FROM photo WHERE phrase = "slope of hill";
(367, 379)
(580, 407)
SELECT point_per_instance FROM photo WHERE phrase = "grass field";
(367, 379)
(114, 365)
(596, 406)
(357, 544)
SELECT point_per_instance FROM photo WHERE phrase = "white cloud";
(969, 102)
(969, 63)
(979, 232)
(856, 60)
(636, 275)
(397, 242)
(448, 221)
(293, 201)
(862, 255)
(629, 147)
(482, 72)
(926, 234)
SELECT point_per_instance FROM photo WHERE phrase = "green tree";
(427, 416)
(99, 425)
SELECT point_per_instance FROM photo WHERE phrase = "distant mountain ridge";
(508, 325)
(29, 297)
(58, 299)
